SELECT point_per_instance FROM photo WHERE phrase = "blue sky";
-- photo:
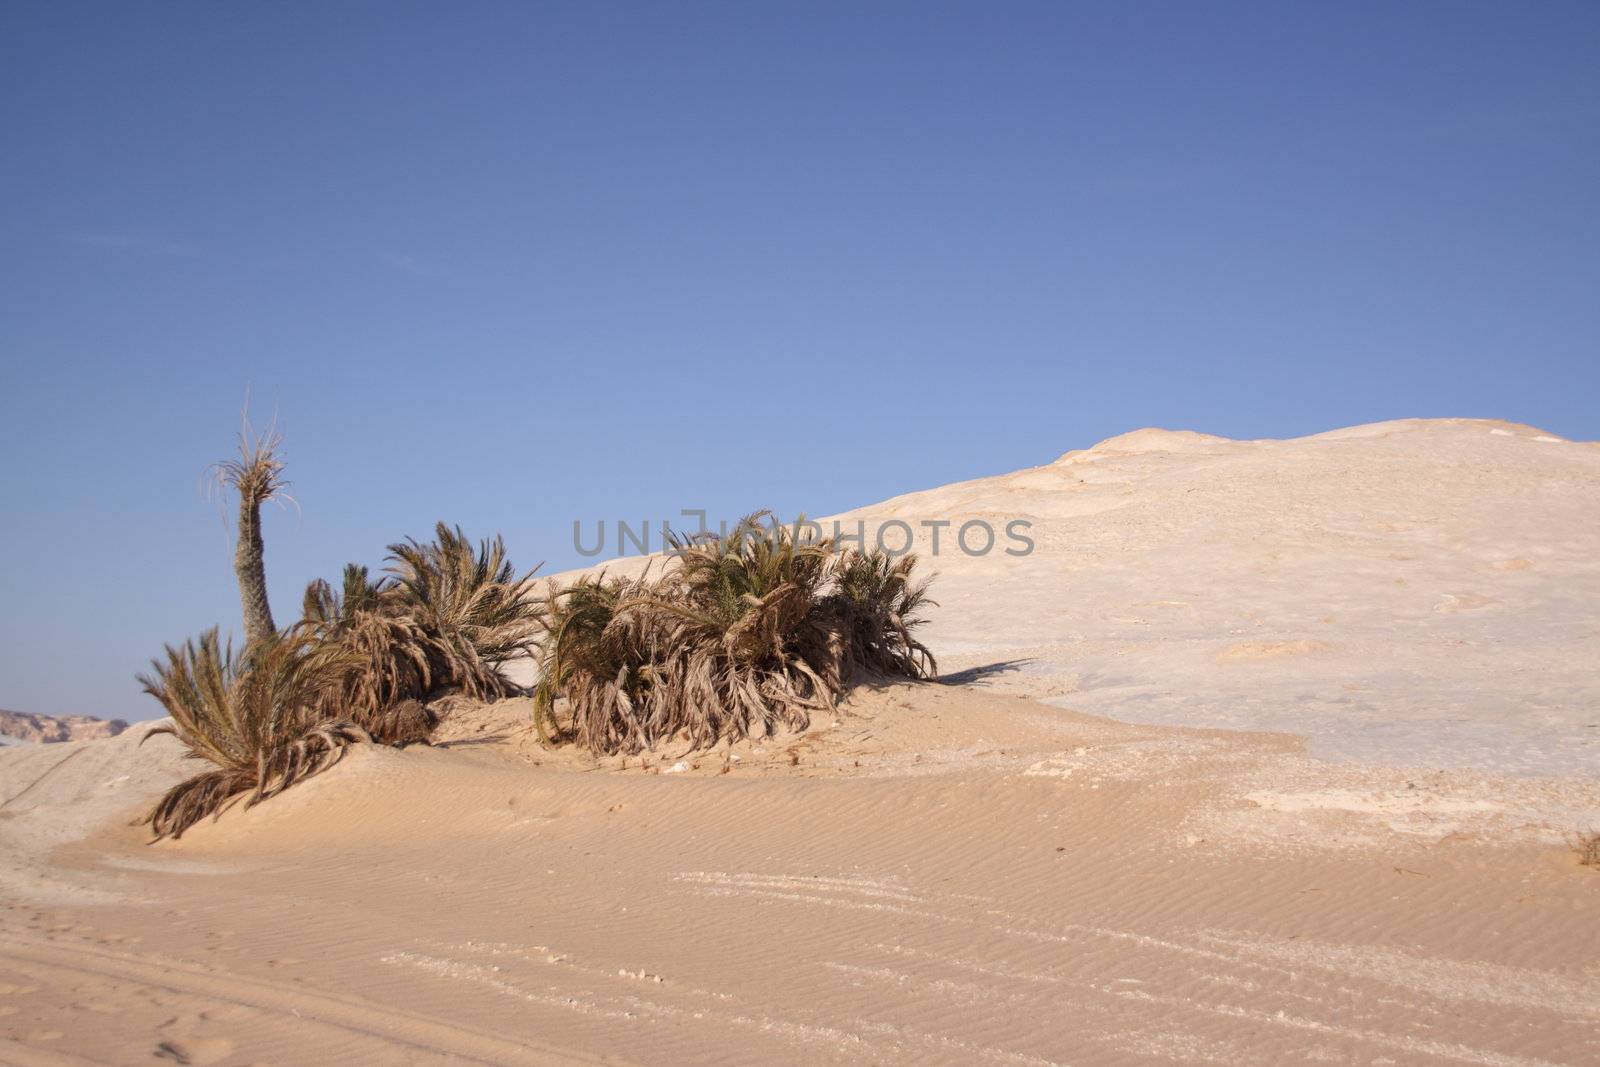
(516, 264)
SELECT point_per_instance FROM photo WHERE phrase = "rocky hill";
(24, 726)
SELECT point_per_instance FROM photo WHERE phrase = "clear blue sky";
(514, 264)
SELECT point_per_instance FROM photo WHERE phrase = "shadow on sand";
(974, 675)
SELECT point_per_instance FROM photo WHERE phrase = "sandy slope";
(953, 873)
(1421, 591)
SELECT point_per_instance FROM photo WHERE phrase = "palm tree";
(389, 672)
(602, 660)
(753, 652)
(257, 475)
(741, 636)
(476, 611)
(254, 716)
(447, 618)
(876, 604)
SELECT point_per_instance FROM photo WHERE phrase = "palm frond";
(257, 474)
(600, 658)
(878, 605)
(253, 715)
(477, 612)
(743, 635)
(446, 618)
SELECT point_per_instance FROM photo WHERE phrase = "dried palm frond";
(876, 603)
(313, 752)
(253, 715)
(743, 635)
(390, 658)
(477, 613)
(405, 723)
(207, 793)
(257, 474)
(601, 661)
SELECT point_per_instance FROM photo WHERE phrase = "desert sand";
(1270, 752)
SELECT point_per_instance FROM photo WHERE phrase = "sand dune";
(1427, 588)
(1265, 755)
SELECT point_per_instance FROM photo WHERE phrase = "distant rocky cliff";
(22, 726)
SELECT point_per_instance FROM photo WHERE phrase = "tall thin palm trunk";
(258, 476)
(249, 566)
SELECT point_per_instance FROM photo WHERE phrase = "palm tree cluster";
(738, 637)
(742, 635)
(361, 665)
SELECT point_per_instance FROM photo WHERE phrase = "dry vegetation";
(361, 664)
(251, 715)
(445, 619)
(738, 636)
(1588, 848)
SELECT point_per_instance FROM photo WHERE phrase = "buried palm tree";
(877, 607)
(749, 650)
(602, 661)
(358, 667)
(254, 716)
(747, 634)
(388, 666)
(477, 611)
(447, 618)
